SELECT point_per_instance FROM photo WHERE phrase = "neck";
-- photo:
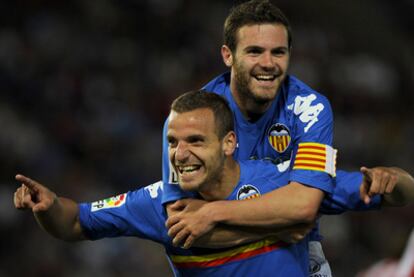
(251, 109)
(224, 186)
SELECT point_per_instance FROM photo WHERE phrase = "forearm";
(286, 206)
(403, 192)
(223, 236)
(61, 220)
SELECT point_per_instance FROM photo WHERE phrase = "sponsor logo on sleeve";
(279, 137)
(111, 202)
(307, 111)
(153, 189)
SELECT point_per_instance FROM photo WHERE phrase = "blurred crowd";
(85, 87)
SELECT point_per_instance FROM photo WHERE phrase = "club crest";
(279, 137)
(247, 192)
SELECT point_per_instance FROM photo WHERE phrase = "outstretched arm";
(395, 184)
(56, 215)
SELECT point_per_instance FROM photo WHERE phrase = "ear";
(229, 143)
(227, 55)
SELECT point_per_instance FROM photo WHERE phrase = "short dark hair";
(251, 13)
(198, 99)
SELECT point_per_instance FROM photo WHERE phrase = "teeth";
(188, 168)
(265, 77)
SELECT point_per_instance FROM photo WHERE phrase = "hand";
(295, 233)
(377, 180)
(191, 220)
(32, 195)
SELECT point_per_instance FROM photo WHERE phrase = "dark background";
(86, 85)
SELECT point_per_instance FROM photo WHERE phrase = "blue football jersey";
(140, 213)
(294, 133)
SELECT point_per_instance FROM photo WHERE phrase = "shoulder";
(153, 191)
(308, 105)
(261, 170)
(144, 197)
(296, 90)
(218, 84)
(257, 178)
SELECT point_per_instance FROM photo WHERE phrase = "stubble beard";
(245, 94)
(214, 178)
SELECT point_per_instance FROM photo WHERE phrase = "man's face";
(260, 61)
(195, 150)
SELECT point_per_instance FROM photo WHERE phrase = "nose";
(181, 152)
(267, 61)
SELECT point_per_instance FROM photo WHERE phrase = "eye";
(254, 51)
(280, 51)
(196, 140)
(172, 142)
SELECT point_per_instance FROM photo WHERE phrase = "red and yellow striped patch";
(279, 143)
(316, 156)
(235, 254)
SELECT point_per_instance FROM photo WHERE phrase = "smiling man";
(278, 118)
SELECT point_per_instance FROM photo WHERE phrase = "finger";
(22, 200)
(363, 192)
(181, 237)
(384, 180)
(178, 205)
(297, 237)
(23, 191)
(391, 184)
(375, 184)
(371, 185)
(173, 230)
(367, 172)
(379, 181)
(41, 207)
(172, 220)
(17, 198)
(189, 242)
(31, 184)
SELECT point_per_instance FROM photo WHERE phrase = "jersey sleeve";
(172, 191)
(345, 196)
(136, 213)
(313, 155)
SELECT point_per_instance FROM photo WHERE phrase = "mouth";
(265, 77)
(187, 169)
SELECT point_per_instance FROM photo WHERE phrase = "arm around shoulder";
(292, 204)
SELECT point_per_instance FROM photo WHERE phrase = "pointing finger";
(367, 172)
(27, 182)
(363, 192)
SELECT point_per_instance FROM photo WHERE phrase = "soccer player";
(201, 136)
(277, 118)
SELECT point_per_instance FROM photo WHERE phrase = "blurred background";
(86, 85)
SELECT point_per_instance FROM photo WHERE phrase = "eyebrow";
(256, 47)
(195, 137)
(253, 47)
